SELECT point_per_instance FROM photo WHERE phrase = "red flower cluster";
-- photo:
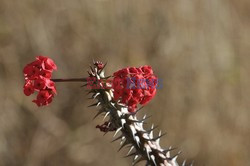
(133, 86)
(37, 78)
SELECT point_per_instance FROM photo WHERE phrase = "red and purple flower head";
(37, 76)
(133, 86)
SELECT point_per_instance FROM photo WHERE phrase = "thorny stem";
(70, 80)
(143, 143)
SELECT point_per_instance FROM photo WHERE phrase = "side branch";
(70, 80)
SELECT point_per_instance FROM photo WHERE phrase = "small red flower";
(51, 86)
(126, 95)
(38, 63)
(50, 65)
(133, 70)
(40, 83)
(146, 99)
(28, 88)
(43, 96)
(31, 71)
(118, 83)
(133, 86)
(45, 73)
(37, 78)
(137, 93)
(147, 70)
(121, 73)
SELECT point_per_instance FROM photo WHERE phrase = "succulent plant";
(116, 101)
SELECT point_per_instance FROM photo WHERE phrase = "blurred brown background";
(200, 49)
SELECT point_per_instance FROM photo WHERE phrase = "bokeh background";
(200, 50)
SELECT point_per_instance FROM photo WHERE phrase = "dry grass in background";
(200, 49)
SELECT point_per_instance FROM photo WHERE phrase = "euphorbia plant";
(119, 97)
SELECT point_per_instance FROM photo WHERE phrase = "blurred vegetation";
(200, 49)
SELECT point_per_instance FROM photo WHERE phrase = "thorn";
(137, 140)
(107, 77)
(135, 153)
(144, 118)
(98, 113)
(137, 161)
(113, 105)
(123, 122)
(168, 150)
(136, 156)
(105, 133)
(184, 163)
(175, 156)
(147, 151)
(89, 91)
(159, 132)
(151, 135)
(106, 115)
(138, 109)
(95, 95)
(148, 131)
(117, 138)
(91, 71)
(138, 121)
(132, 147)
(91, 68)
(119, 129)
(156, 138)
(153, 159)
(124, 144)
(96, 104)
(123, 138)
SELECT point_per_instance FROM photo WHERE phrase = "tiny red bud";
(99, 65)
